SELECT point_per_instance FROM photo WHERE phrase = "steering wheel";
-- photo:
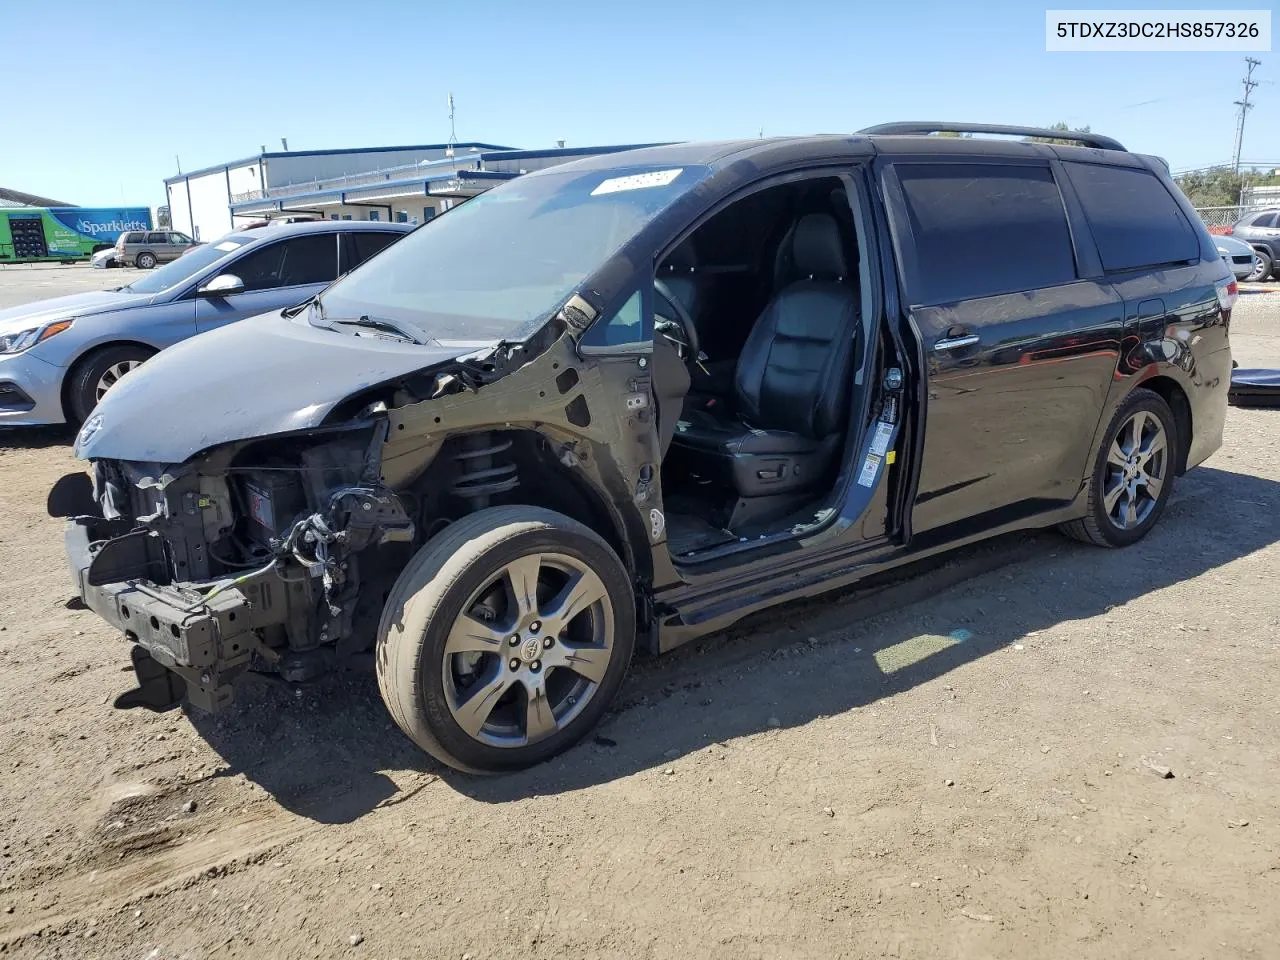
(686, 323)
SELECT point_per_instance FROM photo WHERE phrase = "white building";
(408, 184)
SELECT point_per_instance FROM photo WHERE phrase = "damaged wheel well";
(518, 466)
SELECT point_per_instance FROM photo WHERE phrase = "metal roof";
(18, 198)
(273, 154)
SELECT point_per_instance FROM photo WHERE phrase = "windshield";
(187, 265)
(496, 266)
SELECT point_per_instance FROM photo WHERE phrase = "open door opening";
(772, 287)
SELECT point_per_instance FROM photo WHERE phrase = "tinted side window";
(1134, 219)
(367, 244)
(157, 238)
(1266, 220)
(134, 237)
(985, 229)
(310, 259)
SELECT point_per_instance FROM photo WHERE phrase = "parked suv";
(59, 357)
(146, 248)
(630, 399)
(1262, 232)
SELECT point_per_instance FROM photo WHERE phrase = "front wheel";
(1262, 265)
(1132, 475)
(505, 638)
(98, 373)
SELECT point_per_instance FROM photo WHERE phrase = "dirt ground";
(957, 764)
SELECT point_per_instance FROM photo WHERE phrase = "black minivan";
(630, 399)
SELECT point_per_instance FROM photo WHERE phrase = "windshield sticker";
(226, 246)
(880, 442)
(869, 470)
(638, 181)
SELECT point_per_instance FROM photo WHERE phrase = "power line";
(1245, 106)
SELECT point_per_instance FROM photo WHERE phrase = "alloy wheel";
(529, 650)
(112, 375)
(1137, 467)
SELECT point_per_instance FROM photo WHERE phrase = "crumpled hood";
(61, 308)
(258, 377)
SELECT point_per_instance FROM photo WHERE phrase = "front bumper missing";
(185, 647)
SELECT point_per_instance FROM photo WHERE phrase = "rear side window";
(157, 238)
(1135, 220)
(289, 263)
(133, 237)
(985, 229)
(1266, 220)
(367, 244)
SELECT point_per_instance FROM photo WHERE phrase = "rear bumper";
(204, 644)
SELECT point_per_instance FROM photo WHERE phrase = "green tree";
(1220, 186)
(1064, 128)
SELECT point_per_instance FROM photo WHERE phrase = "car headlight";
(26, 339)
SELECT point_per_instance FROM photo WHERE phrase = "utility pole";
(1245, 106)
(453, 137)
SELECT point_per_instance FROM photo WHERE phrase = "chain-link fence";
(1218, 219)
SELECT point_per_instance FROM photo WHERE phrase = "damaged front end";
(252, 556)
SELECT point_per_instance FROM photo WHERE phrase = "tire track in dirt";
(221, 849)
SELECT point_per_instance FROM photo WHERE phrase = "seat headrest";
(682, 259)
(816, 248)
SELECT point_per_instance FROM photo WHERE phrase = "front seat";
(792, 380)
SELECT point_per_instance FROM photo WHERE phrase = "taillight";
(1228, 291)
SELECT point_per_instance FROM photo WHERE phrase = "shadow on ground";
(36, 438)
(322, 753)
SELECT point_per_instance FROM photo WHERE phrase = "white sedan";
(105, 258)
(1238, 255)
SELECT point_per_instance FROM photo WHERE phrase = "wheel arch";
(87, 355)
(1176, 397)
(546, 481)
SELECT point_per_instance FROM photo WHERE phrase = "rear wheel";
(1262, 265)
(146, 260)
(1133, 473)
(505, 638)
(98, 373)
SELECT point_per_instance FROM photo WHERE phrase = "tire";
(97, 373)
(145, 261)
(1262, 267)
(465, 568)
(1109, 521)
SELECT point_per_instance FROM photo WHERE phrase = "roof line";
(380, 186)
(508, 154)
(276, 154)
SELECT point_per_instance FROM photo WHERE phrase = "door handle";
(955, 343)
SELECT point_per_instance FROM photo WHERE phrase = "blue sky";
(110, 92)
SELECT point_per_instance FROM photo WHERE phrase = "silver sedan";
(59, 357)
(1238, 255)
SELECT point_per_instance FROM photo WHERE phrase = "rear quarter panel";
(1175, 329)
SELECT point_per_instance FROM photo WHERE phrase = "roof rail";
(911, 127)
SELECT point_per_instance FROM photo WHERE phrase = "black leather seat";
(792, 380)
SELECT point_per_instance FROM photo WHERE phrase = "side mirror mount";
(224, 284)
